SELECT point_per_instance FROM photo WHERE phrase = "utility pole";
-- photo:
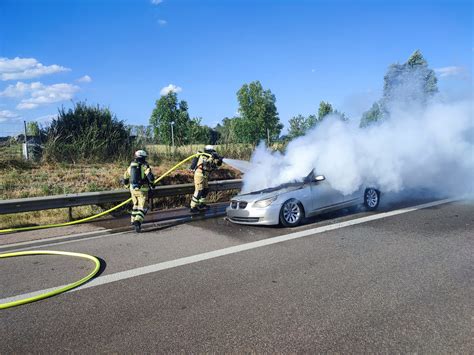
(26, 141)
(172, 135)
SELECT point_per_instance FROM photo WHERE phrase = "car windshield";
(299, 182)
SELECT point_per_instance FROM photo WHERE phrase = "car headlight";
(265, 203)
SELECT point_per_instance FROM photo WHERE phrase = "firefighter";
(202, 166)
(139, 178)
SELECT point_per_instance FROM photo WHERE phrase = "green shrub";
(87, 134)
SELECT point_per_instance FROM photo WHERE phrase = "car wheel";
(291, 213)
(371, 198)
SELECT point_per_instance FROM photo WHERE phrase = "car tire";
(291, 213)
(371, 198)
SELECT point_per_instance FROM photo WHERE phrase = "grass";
(34, 180)
(60, 215)
(11, 149)
(22, 179)
(235, 151)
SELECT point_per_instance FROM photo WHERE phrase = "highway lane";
(402, 283)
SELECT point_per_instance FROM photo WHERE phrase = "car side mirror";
(319, 178)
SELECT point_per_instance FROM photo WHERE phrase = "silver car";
(290, 203)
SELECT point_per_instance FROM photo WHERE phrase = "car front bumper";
(251, 215)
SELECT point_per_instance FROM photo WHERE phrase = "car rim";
(291, 212)
(371, 198)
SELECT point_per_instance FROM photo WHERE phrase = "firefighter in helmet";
(202, 167)
(139, 178)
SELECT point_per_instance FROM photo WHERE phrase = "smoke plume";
(426, 146)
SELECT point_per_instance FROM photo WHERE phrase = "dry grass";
(11, 149)
(20, 179)
(60, 215)
(235, 151)
(46, 179)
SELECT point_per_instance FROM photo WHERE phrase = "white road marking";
(65, 242)
(102, 280)
(62, 237)
(7, 248)
(73, 238)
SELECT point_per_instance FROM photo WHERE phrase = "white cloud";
(156, 2)
(20, 89)
(162, 22)
(47, 95)
(84, 79)
(39, 94)
(6, 115)
(449, 71)
(170, 88)
(24, 105)
(26, 68)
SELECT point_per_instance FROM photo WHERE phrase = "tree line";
(404, 84)
(94, 133)
(258, 120)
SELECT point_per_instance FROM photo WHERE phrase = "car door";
(355, 197)
(323, 195)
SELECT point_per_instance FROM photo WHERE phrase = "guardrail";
(98, 198)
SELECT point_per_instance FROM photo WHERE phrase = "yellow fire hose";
(80, 255)
(10, 230)
(59, 290)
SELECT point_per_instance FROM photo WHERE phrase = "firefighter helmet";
(209, 148)
(140, 154)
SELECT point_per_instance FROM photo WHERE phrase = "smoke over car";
(429, 147)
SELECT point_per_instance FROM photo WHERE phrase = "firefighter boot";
(137, 226)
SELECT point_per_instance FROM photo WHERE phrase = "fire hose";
(21, 229)
(80, 255)
(58, 290)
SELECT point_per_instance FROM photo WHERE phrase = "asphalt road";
(402, 283)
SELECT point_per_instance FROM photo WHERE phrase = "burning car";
(290, 203)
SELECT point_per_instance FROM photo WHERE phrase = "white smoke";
(242, 165)
(430, 147)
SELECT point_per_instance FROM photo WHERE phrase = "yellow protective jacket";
(138, 176)
(206, 164)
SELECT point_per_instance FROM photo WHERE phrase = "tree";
(227, 131)
(405, 85)
(259, 116)
(374, 114)
(32, 129)
(233, 130)
(168, 110)
(297, 126)
(411, 82)
(87, 133)
(141, 133)
(198, 133)
(325, 108)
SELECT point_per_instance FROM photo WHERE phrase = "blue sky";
(121, 54)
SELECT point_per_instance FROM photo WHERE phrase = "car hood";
(270, 192)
